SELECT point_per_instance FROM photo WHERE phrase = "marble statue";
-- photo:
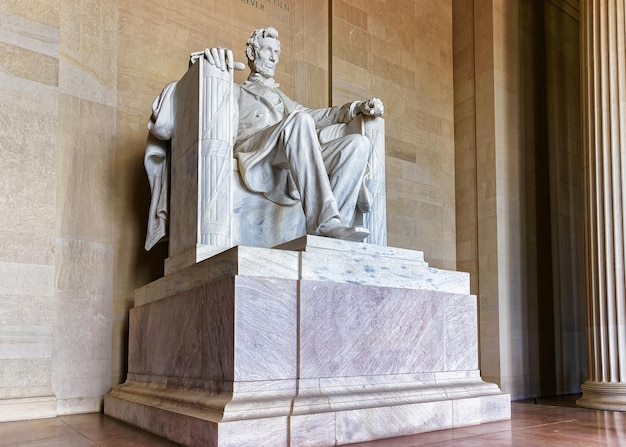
(283, 149)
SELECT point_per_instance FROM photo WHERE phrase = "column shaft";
(604, 145)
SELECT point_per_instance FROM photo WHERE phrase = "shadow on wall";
(134, 267)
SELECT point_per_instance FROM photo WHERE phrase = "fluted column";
(604, 141)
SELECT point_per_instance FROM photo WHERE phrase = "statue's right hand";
(222, 58)
(219, 57)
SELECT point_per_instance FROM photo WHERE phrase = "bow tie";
(258, 78)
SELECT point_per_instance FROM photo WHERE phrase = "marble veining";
(325, 259)
(25, 341)
(266, 321)
(247, 261)
(314, 258)
(29, 34)
(366, 330)
(256, 343)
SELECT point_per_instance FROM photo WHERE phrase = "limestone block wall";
(402, 52)
(78, 80)
(28, 129)
(58, 70)
(519, 188)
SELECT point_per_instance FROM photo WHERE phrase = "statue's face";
(267, 56)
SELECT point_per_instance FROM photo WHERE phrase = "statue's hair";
(253, 40)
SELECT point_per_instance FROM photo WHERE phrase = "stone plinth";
(319, 343)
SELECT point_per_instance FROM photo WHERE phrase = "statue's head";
(263, 51)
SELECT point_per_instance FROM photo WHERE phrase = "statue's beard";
(264, 68)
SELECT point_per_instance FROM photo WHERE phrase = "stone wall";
(58, 134)
(402, 52)
(519, 188)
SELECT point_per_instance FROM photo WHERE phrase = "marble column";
(604, 143)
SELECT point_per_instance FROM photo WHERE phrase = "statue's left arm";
(347, 112)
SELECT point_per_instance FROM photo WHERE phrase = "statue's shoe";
(356, 234)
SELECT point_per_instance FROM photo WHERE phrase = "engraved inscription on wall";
(264, 4)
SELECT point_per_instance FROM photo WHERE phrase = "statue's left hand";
(372, 107)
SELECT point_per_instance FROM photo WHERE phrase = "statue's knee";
(302, 118)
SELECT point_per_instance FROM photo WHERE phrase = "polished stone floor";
(552, 422)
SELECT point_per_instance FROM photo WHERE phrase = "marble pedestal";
(318, 343)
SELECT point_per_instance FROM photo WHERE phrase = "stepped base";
(319, 343)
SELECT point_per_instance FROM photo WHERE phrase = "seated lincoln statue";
(279, 148)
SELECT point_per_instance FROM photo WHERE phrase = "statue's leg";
(299, 150)
(293, 145)
(345, 160)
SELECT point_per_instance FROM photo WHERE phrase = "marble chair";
(210, 209)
